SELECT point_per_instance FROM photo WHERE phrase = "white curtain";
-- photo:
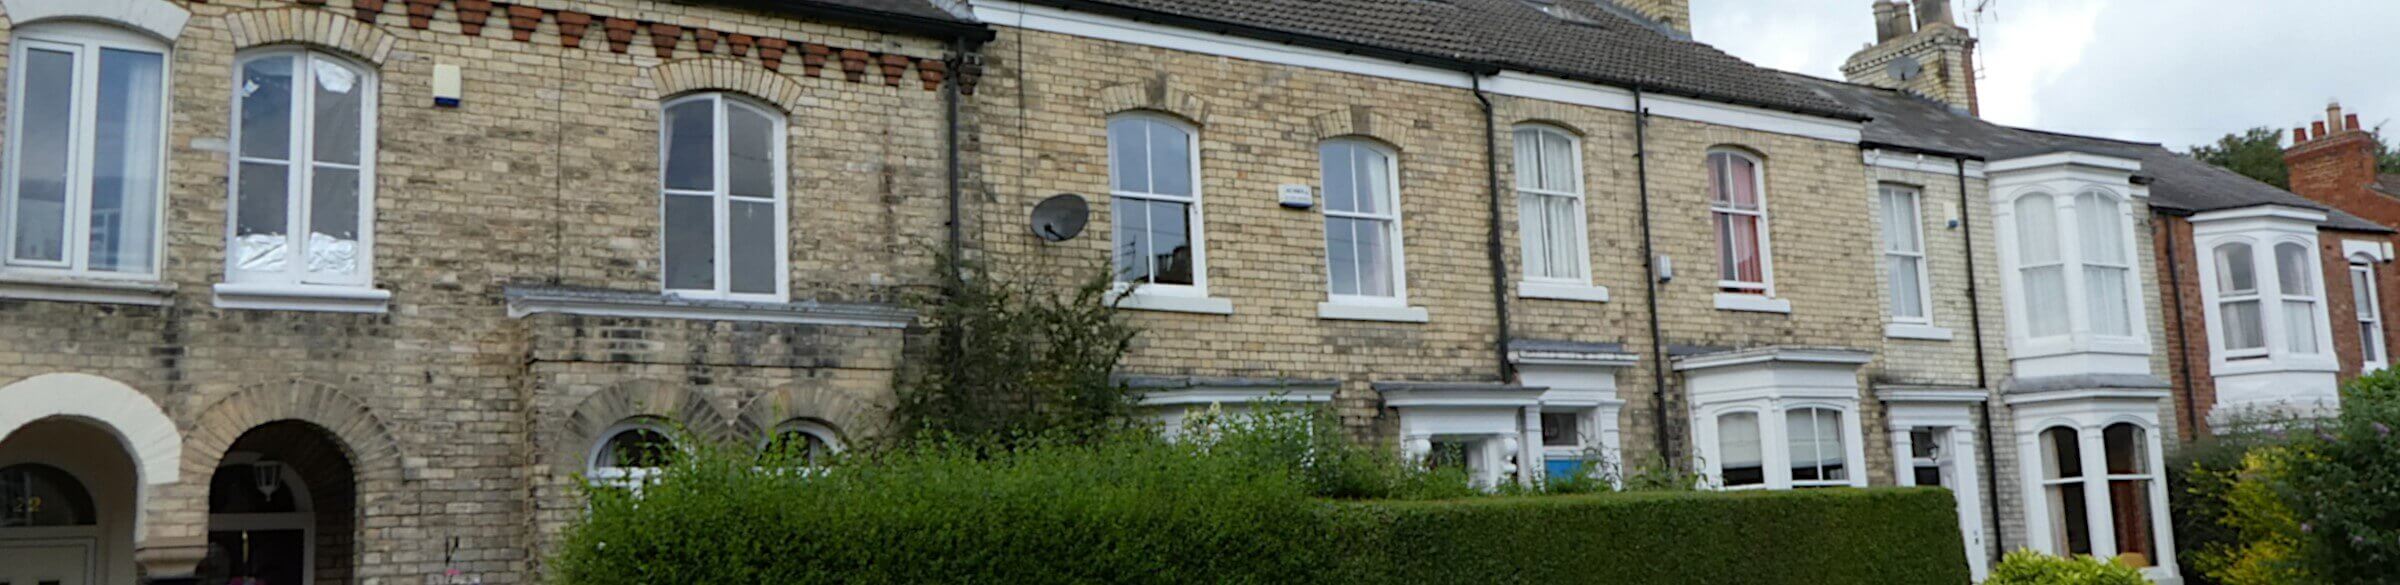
(2105, 265)
(2292, 266)
(1738, 441)
(126, 165)
(1904, 252)
(2038, 260)
(2237, 289)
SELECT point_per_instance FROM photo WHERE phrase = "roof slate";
(2178, 183)
(1602, 45)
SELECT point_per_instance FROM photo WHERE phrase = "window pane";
(2102, 228)
(1170, 160)
(1566, 241)
(752, 246)
(2244, 327)
(341, 97)
(1559, 429)
(1558, 163)
(1742, 459)
(43, 147)
(2046, 295)
(2128, 449)
(333, 222)
(1529, 158)
(1129, 154)
(2292, 268)
(125, 163)
(2236, 273)
(1171, 242)
(1737, 249)
(267, 108)
(1341, 254)
(262, 217)
(637, 448)
(2106, 286)
(1340, 177)
(1533, 231)
(2062, 459)
(1907, 291)
(1374, 181)
(691, 243)
(1733, 181)
(2130, 499)
(751, 152)
(2062, 454)
(1900, 221)
(691, 146)
(1374, 257)
(1816, 444)
(2300, 326)
(2037, 230)
(1131, 236)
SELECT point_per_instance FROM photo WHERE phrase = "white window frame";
(2278, 352)
(2310, 269)
(2078, 336)
(1582, 233)
(2078, 279)
(2369, 317)
(721, 196)
(822, 432)
(1194, 214)
(1390, 218)
(85, 41)
(2257, 295)
(302, 162)
(1775, 442)
(1765, 287)
(1916, 214)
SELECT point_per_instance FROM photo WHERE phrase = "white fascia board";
(1477, 398)
(2269, 211)
(1046, 19)
(1931, 395)
(1922, 163)
(2372, 249)
(2100, 395)
(1773, 354)
(2066, 159)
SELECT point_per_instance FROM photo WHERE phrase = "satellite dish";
(1905, 67)
(1061, 217)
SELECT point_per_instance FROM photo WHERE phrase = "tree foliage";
(1021, 359)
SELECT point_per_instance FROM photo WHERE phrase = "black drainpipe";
(1658, 343)
(1983, 379)
(950, 112)
(2183, 346)
(1494, 247)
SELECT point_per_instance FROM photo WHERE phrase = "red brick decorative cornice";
(666, 39)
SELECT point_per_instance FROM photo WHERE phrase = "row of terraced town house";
(346, 291)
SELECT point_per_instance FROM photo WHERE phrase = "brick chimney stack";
(1919, 48)
(2332, 161)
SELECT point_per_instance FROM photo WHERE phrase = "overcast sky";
(2176, 72)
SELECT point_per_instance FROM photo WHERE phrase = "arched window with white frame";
(1737, 206)
(1362, 223)
(2126, 446)
(304, 170)
(629, 455)
(801, 442)
(2240, 317)
(2367, 302)
(2296, 285)
(723, 201)
(2062, 489)
(84, 177)
(1550, 205)
(1155, 207)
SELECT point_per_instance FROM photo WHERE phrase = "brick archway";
(636, 399)
(851, 417)
(314, 27)
(726, 74)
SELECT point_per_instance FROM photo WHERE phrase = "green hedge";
(1823, 536)
(1146, 511)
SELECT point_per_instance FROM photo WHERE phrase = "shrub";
(1820, 536)
(1135, 509)
(2342, 484)
(1020, 362)
(2032, 568)
(2204, 476)
(1309, 444)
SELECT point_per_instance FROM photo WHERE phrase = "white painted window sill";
(1916, 331)
(526, 301)
(1752, 303)
(1173, 303)
(1356, 312)
(84, 289)
(1527, 289)
(302, 297)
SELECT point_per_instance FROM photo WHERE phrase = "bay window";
(304, 171)
(85, 172)
(1742, 454)
(723, 207)
(1550, 205)
(2268, 303)
(1817, 456)
(2091, 481)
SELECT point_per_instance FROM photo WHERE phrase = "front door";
(46, 562)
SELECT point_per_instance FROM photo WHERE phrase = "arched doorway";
(49, 527)
(280, 509)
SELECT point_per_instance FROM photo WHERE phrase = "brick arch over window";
(158, 18)
(639, 399)
(850, 416)
(726, 74)
(306, 26)
(1164, 94)
(1364, 121)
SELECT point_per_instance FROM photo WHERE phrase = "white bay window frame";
(2291, 371)
(2086, 415)
(1772, 383)
(2052, 184)
(84, 43)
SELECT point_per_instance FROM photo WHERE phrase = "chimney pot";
(1932, 12)
(2350, 122)
(2333, 115)
(2317, 128)
(1891, 20)
(2299, 136)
